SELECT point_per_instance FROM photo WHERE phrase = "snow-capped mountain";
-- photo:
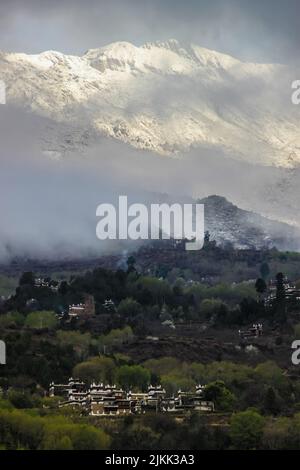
(163, 96)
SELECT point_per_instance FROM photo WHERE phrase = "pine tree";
(264, 270)
(271, 402)
(260, 286)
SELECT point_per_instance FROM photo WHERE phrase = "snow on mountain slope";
(162, 97)
(246, 229)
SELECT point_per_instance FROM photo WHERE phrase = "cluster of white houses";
(109, 400)
(47, 282)
(85, 309)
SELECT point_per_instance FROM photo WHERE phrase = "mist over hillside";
(162, 118)
(48, 207)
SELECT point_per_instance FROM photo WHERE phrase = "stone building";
(109, 400)
(85, 309)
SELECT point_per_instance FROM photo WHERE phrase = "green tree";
(269, 373)
(42, 319)
(277, 434)
(217, 392)
(11, 320)
(20, 399)
(79, 342)
(89, 438)
(65, 443)
(53, 442)
(129, 308)
(164, 365)
(133, 377)
(210, 306)
(260, 286)
(98, 369)
(138, 437)
(271, 402)
(174, 382)
(115, 338)
(246, 430)
(18, 429)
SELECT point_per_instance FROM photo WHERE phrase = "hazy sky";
(259, 30)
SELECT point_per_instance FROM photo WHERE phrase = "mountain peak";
(216, 202)
(171, 44)
(118, 47)
(163, 96)
(216, 199)
(226, 222)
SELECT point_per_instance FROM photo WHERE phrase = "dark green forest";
(172, 327)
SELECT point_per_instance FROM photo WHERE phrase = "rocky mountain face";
(227, 223)
(162, 96)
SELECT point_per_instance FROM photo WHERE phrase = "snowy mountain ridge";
(162, 96)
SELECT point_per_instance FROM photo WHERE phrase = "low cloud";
(48, 208)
